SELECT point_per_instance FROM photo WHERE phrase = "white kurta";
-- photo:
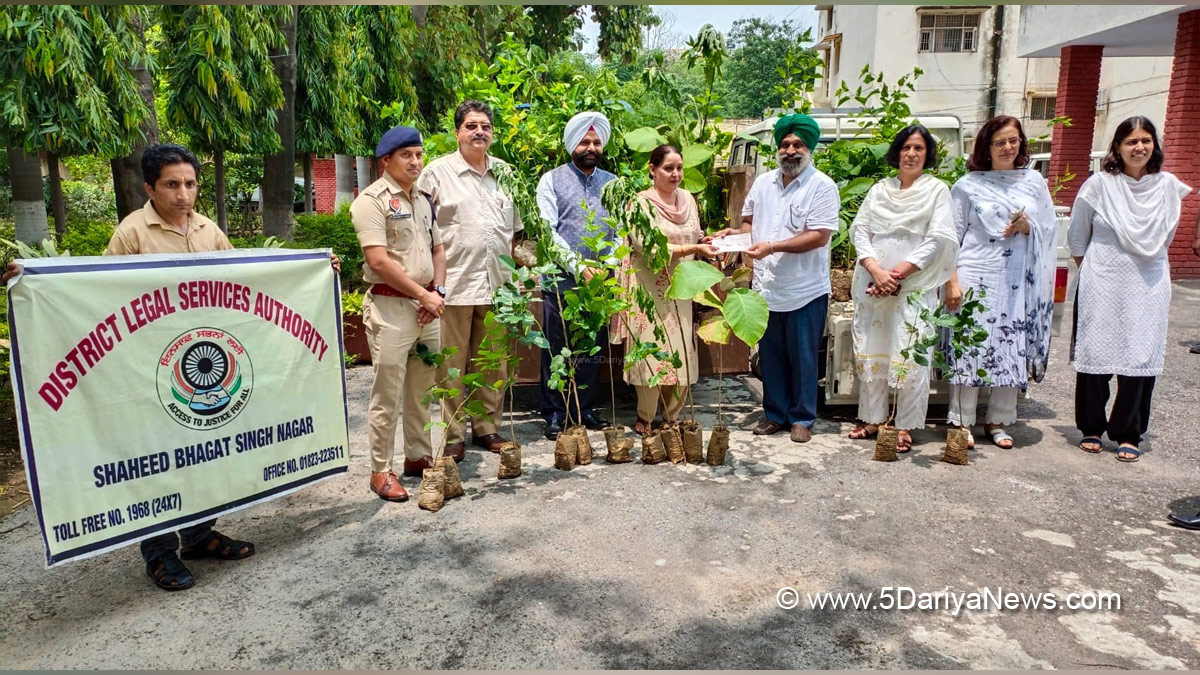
(1123, 298)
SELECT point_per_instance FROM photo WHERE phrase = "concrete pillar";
(325, 183)
(363, 165)
(1071, 147)
(1181, 138)
(344, 170)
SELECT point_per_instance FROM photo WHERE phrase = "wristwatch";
(440, 290)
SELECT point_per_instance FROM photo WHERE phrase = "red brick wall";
(1078, 89)
(1181, 139)
(325, 181)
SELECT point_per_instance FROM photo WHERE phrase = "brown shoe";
(388, 487)
(767, 427)
(414, 467)
(801, 433)
(456, 451)
(490, 442)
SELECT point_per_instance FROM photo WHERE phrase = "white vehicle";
(1041, 162)
(946, 129)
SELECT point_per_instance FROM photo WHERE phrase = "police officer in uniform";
(405, 269)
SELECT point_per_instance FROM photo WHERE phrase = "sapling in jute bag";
(454, 486)
(510, 460)
(956, 447)
(584, 453)
(431, 493)
(673, 442)
(653, 451)
(718, 443)
(566, 450)
(618, 446)
(886, 440)
(693, 442)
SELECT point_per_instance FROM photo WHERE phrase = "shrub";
(87, 237)
(89, 202)
(335, 231)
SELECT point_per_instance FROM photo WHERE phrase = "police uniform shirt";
(385, 215)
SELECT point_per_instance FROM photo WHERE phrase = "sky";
(688, 19)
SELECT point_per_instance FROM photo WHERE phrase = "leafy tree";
(327, 119)
(555, 28)
(766, 63)
(222, 89)
(279, 169)
(381, 68)
(66, 89)
(127, 169)
(621, 30)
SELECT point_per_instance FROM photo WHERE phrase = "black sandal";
(226, 548)
(169, 573)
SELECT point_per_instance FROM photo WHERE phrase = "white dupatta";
(1143, 213)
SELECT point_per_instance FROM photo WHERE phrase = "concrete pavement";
(634, 566)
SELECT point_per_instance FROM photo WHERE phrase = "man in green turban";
(804, 127)
(791, 213)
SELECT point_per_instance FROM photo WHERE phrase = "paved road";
(674, 567)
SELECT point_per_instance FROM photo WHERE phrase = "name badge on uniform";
(396, 213)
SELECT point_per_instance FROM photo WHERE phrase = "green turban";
(803, 126)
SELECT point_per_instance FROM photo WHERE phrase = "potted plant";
(961, 334)
(354, 333)
(442, 481)
(888, 436)
(509, 321)
(742, 313)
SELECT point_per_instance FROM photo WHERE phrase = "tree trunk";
(279, 169)
(419, 12)
(309, 207)
(29, 210)
(127, 170)
(365, 178)
(219, 193)
(58, 205)
(343, 167)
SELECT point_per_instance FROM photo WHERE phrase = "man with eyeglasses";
(478, 223)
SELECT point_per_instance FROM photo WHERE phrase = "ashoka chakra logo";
(204, 378)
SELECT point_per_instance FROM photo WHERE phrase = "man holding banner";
(167, 224)
(405, 267)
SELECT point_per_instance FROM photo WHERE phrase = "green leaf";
(695, 155)
(747, 313)
(708, 297)
(691, 277)
(714, 330)
(693, 180)
(644, 139)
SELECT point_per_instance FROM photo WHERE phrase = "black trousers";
(1131, 411)
(587, 369)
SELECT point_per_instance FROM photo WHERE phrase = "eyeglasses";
(1005, 144)
(472, 126)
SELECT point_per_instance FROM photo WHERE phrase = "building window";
(949, 32)
(1041, 107)
(1038, 147)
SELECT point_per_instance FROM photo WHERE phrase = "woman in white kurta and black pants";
(1122, 222)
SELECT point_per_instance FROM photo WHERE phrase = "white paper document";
(733, 243)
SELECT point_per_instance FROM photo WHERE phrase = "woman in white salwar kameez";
(1122, 222)
(905, 242)
(1006, 225)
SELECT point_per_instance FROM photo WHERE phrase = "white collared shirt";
(789, 281)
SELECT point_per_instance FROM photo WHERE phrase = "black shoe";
(554, 426)
(594, 422)
(1191, 522)
(1195, 349)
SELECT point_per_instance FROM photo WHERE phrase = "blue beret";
(396, 138)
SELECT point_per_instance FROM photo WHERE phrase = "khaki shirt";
(385, 215)
(144, 231)
(478, 221)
